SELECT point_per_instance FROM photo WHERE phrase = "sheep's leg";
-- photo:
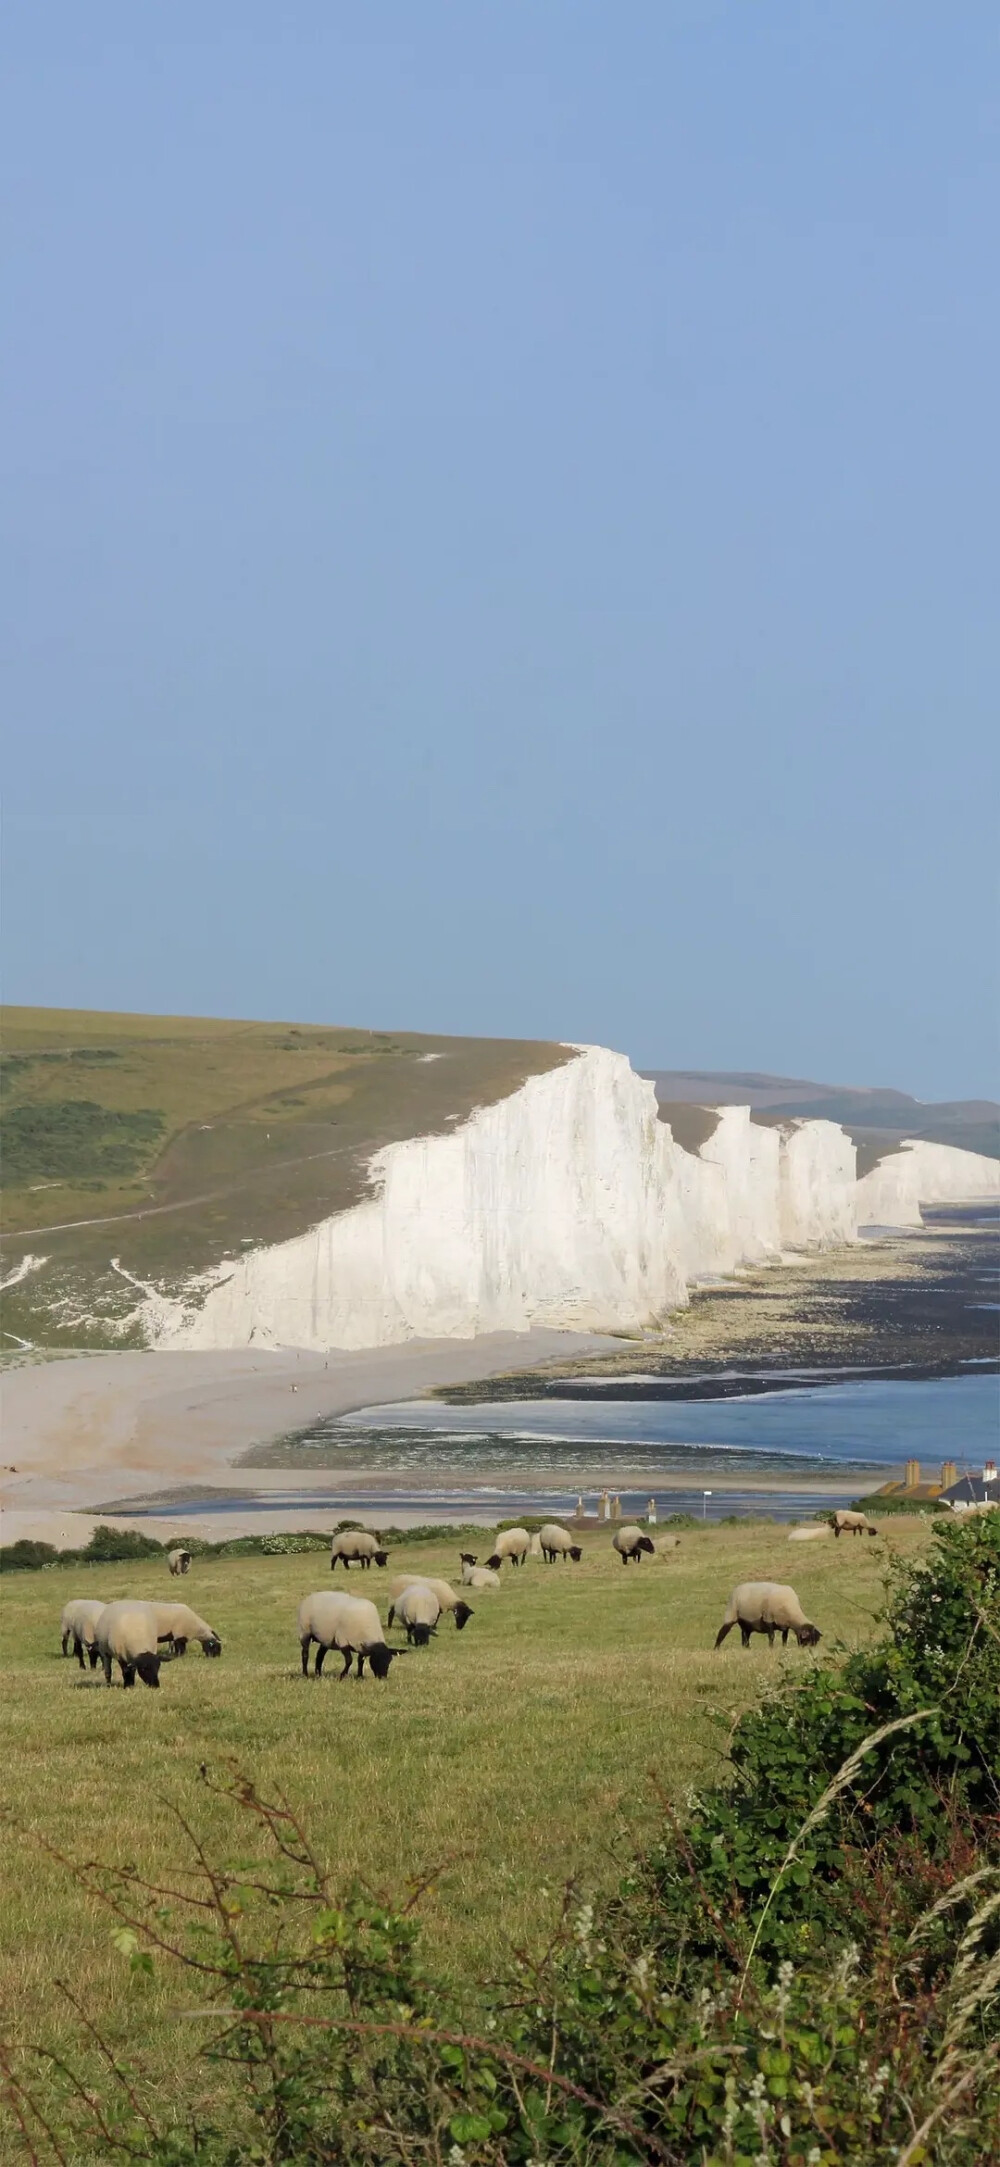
(95, 1655)
(65, 1640)
(770, 1636)
(306, 1645)
(107, 1669)
(179, 1646)
(723, 1630)
(78, 1652)
(784, 1636)
(361, 1664)
(321, 1656)
(347, 1655)
(745, 1630)
(128, 1674)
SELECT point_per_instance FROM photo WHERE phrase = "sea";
(757, 1452)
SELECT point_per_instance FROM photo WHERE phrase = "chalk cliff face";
(919, 1173)
(569, 1203)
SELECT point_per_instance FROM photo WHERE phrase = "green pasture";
(502, 1760)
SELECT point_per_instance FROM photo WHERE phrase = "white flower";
(456, 2156)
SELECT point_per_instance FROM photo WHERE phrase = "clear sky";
(500, 521)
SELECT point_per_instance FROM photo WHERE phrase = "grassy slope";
(267, 1128)
(519, 1750)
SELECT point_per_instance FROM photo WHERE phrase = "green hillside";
(170, 1142)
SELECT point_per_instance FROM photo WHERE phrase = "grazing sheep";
(78, 1623)
(666, 1543)
(555, 1542)
(446, 1595)
(126, 1634)
(767, 1606)
(852, 1523)
(357, 1546)
(179, 1624)
(630, 1542)
(479, 1576)
(419, 1609)
(973, 1512)
(514, 1543)
(810, 1534)
(179, 1562)
(348, 1622)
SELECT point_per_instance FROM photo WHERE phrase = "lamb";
(555, 1542)
(811, 1534)
(630, 1542)
(514, 1543)
(767, 1606)
(852, 1523)
(179, 1562)
(179, 1624)
(126, 1634)
(350, 1623)
(479, 1576)
(78, 1623)
(446, 1595)
(666, 1543)
(419, 1609)
(357, 1546)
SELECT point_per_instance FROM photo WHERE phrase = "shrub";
(26, 1556)
(111, 1545)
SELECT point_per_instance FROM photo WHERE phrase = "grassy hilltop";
(169, 1142)
(509, 1756)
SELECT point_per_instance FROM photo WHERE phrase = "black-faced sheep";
(178, 1623)
(767, 1606)
(479, 1576)
(630, 1542)
(78, 1623)
(514, 1543)
(852, 1523)
(126, 1634)
(347, 1622)
(179, 1562)
(357, 1546)
(555, 1542)
(418, 1609)
(446, 1595)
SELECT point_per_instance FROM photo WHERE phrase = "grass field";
(169, 1142)
(512, 1755)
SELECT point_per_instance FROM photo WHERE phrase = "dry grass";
(515, 1754)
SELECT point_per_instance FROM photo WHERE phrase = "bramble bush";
(806, 1973)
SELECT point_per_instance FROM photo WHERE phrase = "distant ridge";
(873, 1117)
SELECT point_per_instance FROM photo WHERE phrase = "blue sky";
(499, 522)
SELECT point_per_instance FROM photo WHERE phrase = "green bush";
(67, 1138)
(26, 1556)
(806, 1974)
(113, 1545)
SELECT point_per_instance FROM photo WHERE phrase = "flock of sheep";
(135, 1634)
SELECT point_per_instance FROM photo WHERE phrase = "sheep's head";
(807, 1635)
(148, 1667)
(494, 1563)
(381, 1557)
(575, 1552)
(380, 1658)
(468, 1557)
(645, 1544)
(420, 1635)
(213, 1645)
(462, 1614)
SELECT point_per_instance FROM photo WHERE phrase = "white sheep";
(479, 1576)
(357, 1546)
(555, 1542)
(630, 1542)
(767, 1606)
(178, 1623)
(78, 1623)
(418, 1609)
(514, 1543)
(348, 1622)
(810, 1534)
(446, 1595)
(666, 1543)
(852, 1523)
(126, 1634)
(179, 1562)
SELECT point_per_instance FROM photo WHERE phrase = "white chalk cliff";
(567, 1204)
(919, 1173)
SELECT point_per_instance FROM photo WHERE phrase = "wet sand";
(90, 1428)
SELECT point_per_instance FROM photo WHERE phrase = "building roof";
(972, 1490)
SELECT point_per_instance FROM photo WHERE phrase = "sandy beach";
(78, 1431)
